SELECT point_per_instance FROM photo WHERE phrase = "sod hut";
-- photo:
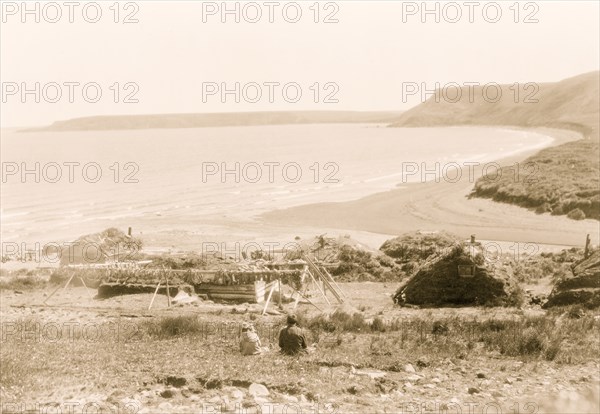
(110, 245)
(582, 288)
(457, 278)
(412, 249)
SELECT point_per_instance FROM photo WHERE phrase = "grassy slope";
(563, 178)
(113, 122)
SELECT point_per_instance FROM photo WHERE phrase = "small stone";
(480, 375)
(413, 378)
(290, 398)
(165, 407)
(354, 389)
(258, 390)
(237, 394)
(147, 394)
(215, 400)
(167, 393)
(509, 381)
(409, 368)
(473, 390)
(436, 380)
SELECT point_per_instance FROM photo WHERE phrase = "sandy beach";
(444, 205)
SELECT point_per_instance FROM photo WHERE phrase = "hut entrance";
(466, 270)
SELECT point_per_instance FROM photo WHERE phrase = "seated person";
(291, 338)
(250, 342)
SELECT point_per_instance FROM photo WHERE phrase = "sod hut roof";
(109, 245)
(582, 288)
(455, 278)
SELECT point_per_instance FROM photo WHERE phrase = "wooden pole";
(168, 292)
(154, 296)
(309, 301)
(52, 294)
(322, 277)
(86, 288)
(268, 298)
(56, 290)
(586, 252)
(279, 287)
(69, 281)
(318, 287)
(332, 280)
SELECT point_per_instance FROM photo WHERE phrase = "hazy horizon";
(170, 53)
(239, 112)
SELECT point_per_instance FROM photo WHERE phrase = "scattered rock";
(509, 381)
(371, 373)
(147, 394)
(473, 390)
(409, 368)
(354, 389)
(290, 398)
(168, 393)
(480, 375)
(397, 393)
(258, 390)
(237, 394)
(215, 400)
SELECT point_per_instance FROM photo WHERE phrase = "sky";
(178, 57)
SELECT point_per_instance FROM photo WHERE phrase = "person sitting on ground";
(291, 338)
(250, 342)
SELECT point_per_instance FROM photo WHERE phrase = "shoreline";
(375, 217)
(436, 206)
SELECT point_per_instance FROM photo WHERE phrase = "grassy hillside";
(113, 122)
(566, 178)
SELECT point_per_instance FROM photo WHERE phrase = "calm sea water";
(188, 178)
